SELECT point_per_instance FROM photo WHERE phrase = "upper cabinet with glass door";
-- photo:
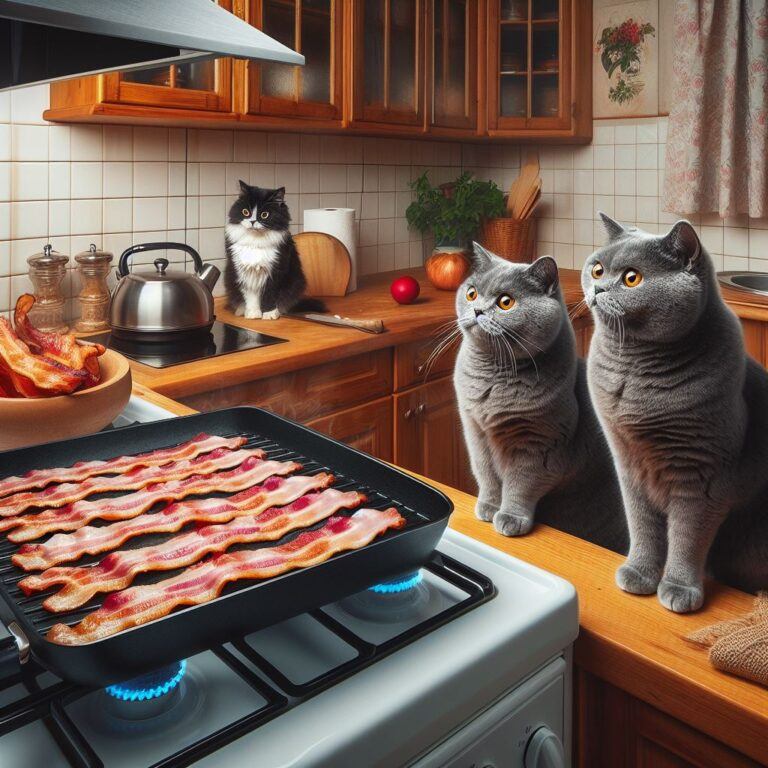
(452, 66)
(312, 93)
(386, 73)
(539, 76)
(200, 87)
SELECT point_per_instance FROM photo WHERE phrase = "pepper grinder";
(46, 271)
(93, 266)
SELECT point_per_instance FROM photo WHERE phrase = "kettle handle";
(122, 267)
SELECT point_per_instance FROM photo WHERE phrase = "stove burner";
(403, 584)
(153, 685)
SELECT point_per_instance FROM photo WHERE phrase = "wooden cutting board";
(326, 263)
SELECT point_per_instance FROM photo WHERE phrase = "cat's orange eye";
(245, 212)
(597, 270)
(264, 214)
(632, 278)
(505, 301)
(471, 293)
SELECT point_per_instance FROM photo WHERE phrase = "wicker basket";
(512, 239)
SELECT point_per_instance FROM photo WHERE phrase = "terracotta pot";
(447, 268)
(26, 421)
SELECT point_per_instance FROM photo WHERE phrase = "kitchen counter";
(631, 642)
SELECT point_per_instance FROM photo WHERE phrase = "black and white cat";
(263, 277)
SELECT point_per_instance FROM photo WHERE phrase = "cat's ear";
(481, 257)
(613, 228)
(244, 188)
(544, 271)
(683, 243)
(279, 195)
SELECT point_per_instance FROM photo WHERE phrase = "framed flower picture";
(625, 68)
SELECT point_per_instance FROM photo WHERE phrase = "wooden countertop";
(312, 343)
(630, 641)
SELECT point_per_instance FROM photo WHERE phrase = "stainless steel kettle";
(162, 304)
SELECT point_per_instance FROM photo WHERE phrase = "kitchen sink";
(754, 282)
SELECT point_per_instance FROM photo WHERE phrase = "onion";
(446, 270)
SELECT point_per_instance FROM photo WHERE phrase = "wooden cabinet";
(386, 74)
(756, 340)
(539, 70)
(311, 94)
(367, 427)
(201, 89)
(614, 728)
(451, 66)
(428, 435)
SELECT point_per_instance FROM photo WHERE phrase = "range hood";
(44, 40)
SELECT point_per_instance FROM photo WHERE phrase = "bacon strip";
(39, 478)
(117, 571)
(35, 375)
(67, 493)
(60, 347)
(92, 540)
(77, 515)
(204, 581)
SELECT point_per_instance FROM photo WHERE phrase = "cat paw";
(485, 511)
(273, 314)
(509, 524)
(239, 310)
(253, 314)
(636, 579)
(680, 598)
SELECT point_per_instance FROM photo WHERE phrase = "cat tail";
(309, 305)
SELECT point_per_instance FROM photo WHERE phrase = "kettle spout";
(209, 274)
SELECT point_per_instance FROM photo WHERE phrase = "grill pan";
(244, 606)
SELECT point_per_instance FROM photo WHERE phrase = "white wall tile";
(647, 183)
(309, 178)
(29, 219)
(603, 134)
(625, 156)
(87, 180)
(213, 211)
(29, 181)
(582, 232)
(333, 178)
(151, 213)
(59, 217)
(118, 179)
(625, 182)
(29, 143)
(604, 182)
(150, 143)
(648, 209)
(735, 241)
(28, 104)
(583, 157)
(6, 142)
(647, 156)
(59, 142)
(118, 215)
(564, 181)
(86, 142)
(263, 175)
(647, 133)
(233, 173)
(625, 208)
(212, 178)
(86, 216)
(5, 107)
(583, 207)
(5, 182)
(604, 157)
(177, 178)
(625, 134)
(712, 239)
(758, 244)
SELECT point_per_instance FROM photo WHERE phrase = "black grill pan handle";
(14, 651)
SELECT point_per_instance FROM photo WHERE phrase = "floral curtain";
(717, 145)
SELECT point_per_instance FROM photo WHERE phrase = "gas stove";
(465, 662)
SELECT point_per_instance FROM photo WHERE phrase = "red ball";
(405, 289)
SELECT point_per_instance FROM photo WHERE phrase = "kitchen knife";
(368, 326)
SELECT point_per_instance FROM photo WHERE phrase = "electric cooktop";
(222, 339)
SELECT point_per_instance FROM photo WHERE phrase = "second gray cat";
(685, 412)
(534, 442)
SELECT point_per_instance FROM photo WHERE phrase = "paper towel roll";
(339, 222)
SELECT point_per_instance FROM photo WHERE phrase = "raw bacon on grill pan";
(204, 581)
(39, 478)
(252, 470)
(67, 493)
(91, 540)
(117, 570)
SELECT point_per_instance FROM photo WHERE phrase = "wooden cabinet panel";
(451, 66)
(583, 328)
(413, 364)
(386, 76)
(313, 92)
(311, 392)
(366, 427)
(616, 729)
(755, 339)
(539, 69)
(428, 435)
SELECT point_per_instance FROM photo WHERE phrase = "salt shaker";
(46, 271)
(93, 266)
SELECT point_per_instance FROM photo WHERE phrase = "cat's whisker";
(527, 351)
(442, 345)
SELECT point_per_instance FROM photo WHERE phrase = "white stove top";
(388, 714)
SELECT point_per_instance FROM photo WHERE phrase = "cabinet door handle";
(420, 369)
(420, 409)
(408, 414)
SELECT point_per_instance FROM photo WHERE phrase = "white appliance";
(464, 665)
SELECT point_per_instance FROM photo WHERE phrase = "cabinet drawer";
(310, 392)
(411, 362)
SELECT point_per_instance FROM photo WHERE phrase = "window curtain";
(717, 145)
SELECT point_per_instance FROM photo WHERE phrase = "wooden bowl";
(28, 421)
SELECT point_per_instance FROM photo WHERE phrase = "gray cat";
(535, 445)
(685, 413)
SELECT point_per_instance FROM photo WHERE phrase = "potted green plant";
(454, 213)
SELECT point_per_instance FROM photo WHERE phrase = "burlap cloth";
(739, 646)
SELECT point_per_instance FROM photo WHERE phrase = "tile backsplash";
(119, 185)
